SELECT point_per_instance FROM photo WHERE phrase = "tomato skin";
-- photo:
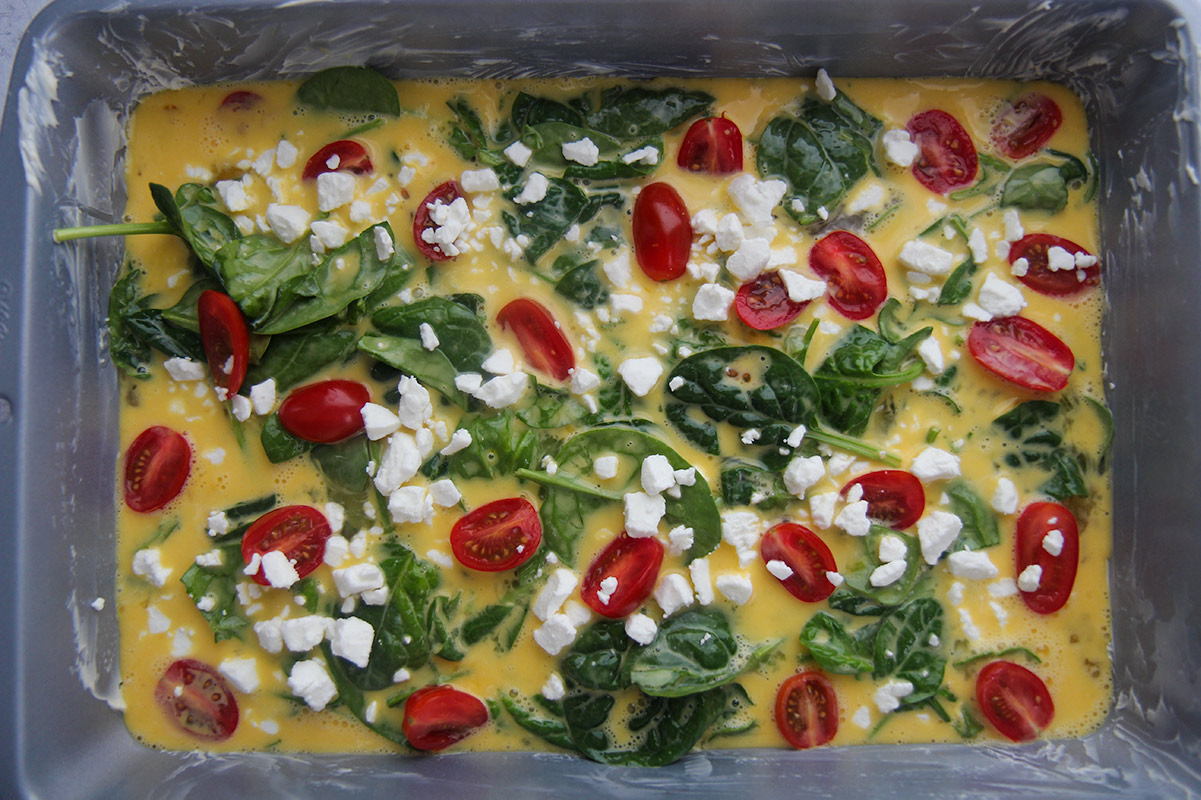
(438, 716)
(541, 339)
(634, 563)
(662, 232)
(446, 192)
(156, 466)
(1014, 700)
(1059, 572)
(894, 496)
(806, 555)
(487, 538)
(352, 157)
(1022, 128)
(763, 303)
(1023, 352)
(241, 100)
(299, 532)
(947, 158)
(849, 266)
(324, 412)
(807, 710)
(225, 336)
(712, 145)
(205, 706)
(1033, 247)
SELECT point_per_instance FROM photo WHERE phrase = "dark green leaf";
(500, 445)
(352, 697)
(128, 351)
(463, 339)
(528, 111)
(979, 523)
(744, 484)
(278, 444)
(292, 358)
(1028, 417)
(855, 374)
(597, 659)
(968, 726)
(184, 313)
(150, 326)
(354, 90)
(995, 654)
(193, 212)
(1036, 187)
(544, 223)
(834, 649)
(859, 579)
(431, 367)
(638, 113)
(903, 647)
(219, 583)
(958, 285)
(1067, 479)
(553, 731)
(551, 408)
(344, 465)
(856, 604)
(582, 286)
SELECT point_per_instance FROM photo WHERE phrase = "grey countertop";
(15, 16)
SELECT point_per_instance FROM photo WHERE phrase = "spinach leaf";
(550, 730)
(820, 153)
(292, 358)
(431, 367)
(548, 139)
(354, 90)
(834, 648)
(1030, 417)
(1067, 478)
(564, 512)
(184, 313)
(528, 110)
(462, 337)
(134, 328)
(192, 211)
(1107, 431)
(278, 444)
(219, 583)
(500, 445)
(637, 113)
(253, 268)
(444, 641)
(1030, 655)
(1036, 187)
(958, 285)
(352, 697)
(597, 659)
(1041, 442)
(979, 523)
(856, 605)
(583, 286)
(544, 223)
(745, 484)
(859, 579)
(968, 726)
(855, 374)
(551, 408)
(344, 465)
(903, 649)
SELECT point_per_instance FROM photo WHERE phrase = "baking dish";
(80, 69)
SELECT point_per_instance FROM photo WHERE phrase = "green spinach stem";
(119, 229)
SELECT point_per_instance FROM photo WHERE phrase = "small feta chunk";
(921, 256)
(648, 155)
(242, 673)
(899, 147)
(583, 152)
(972, 564)
(534, 191)
(728, 236)
(750, 259)
(504, 390)
(641, 374)
(1060, 259)
(156, 621)
(802, 473)
(756, 199)
(334, 190)
(240, 407)
(933, 464)
(330, 234)
(285, 154)
(618, 270)
(185, 369)
(411, 504)
(310, 682)
(931, 353)
(302, 634)
(553, 689)
(262, 397)
(712, 303)
(825, 86)
(378, 421)
(1005, 498)
(1013, 225)
(459, 440)
(643, 512)
(357, 578)
(518, 153)
(288, 223)
(853, 518)
(336, 550)
(937, 531)
(999, 298)
(641, 628)
(978, 246)
(147, 564)
(679, 539)
(270, 635)
(500, 362)
(233, 195)
(1053, 541)
(862, 717)
(605, 467)
(479, 180)
(801, 289)
(888, 574)
(892, 548)
(779, 569)
(352, 640)
(558, 588)
(555, 634)
(888, 697)
(1030, 578)
(401, 461)
(735, 587)
(698, 570)
(657, 474)
(444, 493)
(429, 339)
(672, 593)
(821, 509)
(1003, 587)
(278, 570)
(584, 380)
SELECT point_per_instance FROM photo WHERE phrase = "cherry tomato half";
(854, 274)
(947, 158)
(225, 338)
(438, 716)
(541, 339)
(894, 497)
(763, 303)
(324, 412)
(351, 157)
(1039, 277)
(156, 466)
(634, 563)
(712, 145)
(241, 100)
(1059, 572)
(1022, 128)
(1014, 700)
(299, 532)
(446, 192)
(807, 710)
(198, 700)
(500, 535)
(1023, 352)
(806, 555)
(662, 232)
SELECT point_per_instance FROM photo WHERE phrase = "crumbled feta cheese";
(605, 467)
(97, 604)
(357, 578)
(213, 558)
(242, 673)
(1013, 225)
(924, 257)
(779, 569)
(801, 289)
(821, 509)
(185, 369)
(1053, 541)
(156, 621)
(147, 564)
(553, 689)
(1005, 498)
(728, 236)
(302, 634)
(504, 390)
(233, 195)
(657, 474)
(605, 590)
(972, 564)
(643, 512)
(625, 304)
(534, 190)
(802, 473)
(618, 269)
(330, 234)
(518, 153)
(438, 557)
(750, 259)
(698, 570)
(411, 504)
(334, 190)
(899, 147)
(862, 717)
(999, 298)
(978, 246)
(641, 628)
(555, 634)
(679, 539)
(479, 180)
(888, 697)
(378, 421)
(641, 374)
(970, 631)
(704, 222)
(310, 682)
(888, 574)
(288, 223)
(735, 587)
(278, 570)
(583, 152)
(648, 155)
(1030, 578)
(931, 353)
(892, 548)
(973, 311)
(868, 197)
(444, 493)
(336, 550)
(429, 339)
(712, 303)
(402, 459)
(853, 518)
(1060, 259)
(741, 530)
(500, 362)
(937, 531)
(240, 407)
(262, 397)
(673, 593)
(933, 464)
(584, 380)
(756, 199)
(459, 440)
(352, 640)
(825, 86)
(558, 588)
(270, 635)
(1003, 587)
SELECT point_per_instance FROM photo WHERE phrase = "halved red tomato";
(198, 700)
(1022, 128)
(156, 466)
(1059, 572)
(947, 158)
(438, 716)
(854, 274)
(325, 412)
(1014, 700)
(894, 497)
(500, 535)
(299, 532)
(1039, 277)
(541, 339)
(806, 555)
(346, 155)
(240, 100)
(1022, 351)
(662, 232)
(712, 145)
(226, 340)
(807, 710)
(634, 563)
(446, 192)
(763, 302)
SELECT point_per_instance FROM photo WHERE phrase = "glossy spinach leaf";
(351, 696)
(278, 444)
(544, 223)
(399, 272)
(528, 111)
(292, 358)
(834, 648)
(184, 313)
(958, 285)
(859, 369)
(353, 90)
(344, 465)
(219, 583)
(582, 285)
(551, 408)
(903, 648)
(462, 337)
(134, 328)
(192, 211)
(856, 604)
(597, 659)
(979, 522)
(149, 325)
(253, 268)
(431, 367)
(746, 484)
(1043, 186)
(859, 579)
(550, 729)
(1034, 426)
(500, 445)
(638, 112)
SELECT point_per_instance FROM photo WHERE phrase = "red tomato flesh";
(947, 158)
(225, 338)
(1022, 128)
(1014, 700)
(438, 716)
(806, 555)
(446, 192)
(1059, 572)
(662, 232)
(1039, 277)
(345, 155)
(807, 710)
(198, 700)
(299, 532)
(546, 348)
(634, 563)
(324, 412)
(241, 100)
(854, 274)
(498, 536)
(156, 466)
(894, 497)
(1023, 352)
(763, 303)
(712, 145)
